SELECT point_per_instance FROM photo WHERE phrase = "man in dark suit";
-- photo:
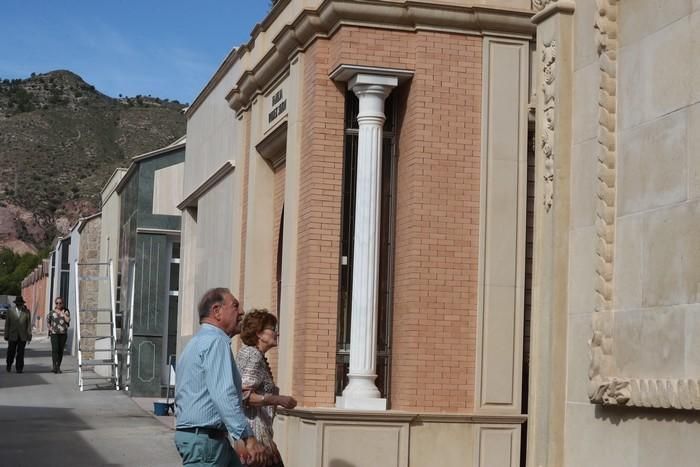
(18, 331)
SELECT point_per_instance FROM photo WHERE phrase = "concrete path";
(46, 421)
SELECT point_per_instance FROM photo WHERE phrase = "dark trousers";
(58, 343)
(16, 348)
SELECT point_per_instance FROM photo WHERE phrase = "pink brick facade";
(34, 294)
(437, 216)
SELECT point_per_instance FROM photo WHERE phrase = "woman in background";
(58, 322)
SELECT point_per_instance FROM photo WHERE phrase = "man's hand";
(288, 402)
(257, 454)
(239, 447)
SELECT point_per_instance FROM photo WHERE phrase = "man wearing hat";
(18, 331)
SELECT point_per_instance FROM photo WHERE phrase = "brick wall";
(437, 232)
(34, 294)
(437, 235)
(321, 166)
(244, 204)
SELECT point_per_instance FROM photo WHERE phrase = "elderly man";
(208, 394)
(18, 331)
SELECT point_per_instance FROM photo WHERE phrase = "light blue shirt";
(208, 390)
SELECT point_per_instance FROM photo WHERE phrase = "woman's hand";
(288, 402)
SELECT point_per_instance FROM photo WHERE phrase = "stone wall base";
(340, 438)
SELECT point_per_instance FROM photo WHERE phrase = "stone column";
(361, 391)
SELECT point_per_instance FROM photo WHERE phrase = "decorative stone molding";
(549, 58)
(603, 389)
(650, 393)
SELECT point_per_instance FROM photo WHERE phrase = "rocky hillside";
(60, 140)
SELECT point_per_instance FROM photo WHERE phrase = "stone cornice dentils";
(331, 14)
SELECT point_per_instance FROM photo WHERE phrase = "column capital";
(357, 74)
(363, 83)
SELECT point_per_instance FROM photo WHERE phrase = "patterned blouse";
(256, 375)
(57, 323)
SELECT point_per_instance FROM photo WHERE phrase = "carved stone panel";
(622, 371)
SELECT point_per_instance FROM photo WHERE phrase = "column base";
(360, 403)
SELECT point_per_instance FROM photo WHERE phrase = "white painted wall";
(73, 254)
(167, 189)
(109, 249)
(211, 245)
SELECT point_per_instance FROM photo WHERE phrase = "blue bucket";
(160, 408)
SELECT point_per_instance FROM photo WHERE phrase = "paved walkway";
(46, 421)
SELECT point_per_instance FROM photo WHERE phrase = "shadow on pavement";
(44, 436)
(14, 380)
(31, 368)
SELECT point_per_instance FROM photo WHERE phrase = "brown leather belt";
(210, 432)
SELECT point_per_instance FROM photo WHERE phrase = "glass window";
(174, 277)
(176, 250)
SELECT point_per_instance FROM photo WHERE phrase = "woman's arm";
(259, 400)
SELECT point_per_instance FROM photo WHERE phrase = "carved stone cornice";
(333, 14)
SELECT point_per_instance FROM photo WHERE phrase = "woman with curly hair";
(259, 334)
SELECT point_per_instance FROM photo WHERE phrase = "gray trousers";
(198, 449)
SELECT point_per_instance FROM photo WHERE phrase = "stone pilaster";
(553, 143)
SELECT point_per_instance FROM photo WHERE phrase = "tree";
(14, 268)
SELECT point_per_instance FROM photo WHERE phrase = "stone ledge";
(393, 416)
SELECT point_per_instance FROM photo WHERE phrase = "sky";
(165, 48)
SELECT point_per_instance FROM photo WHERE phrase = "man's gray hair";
(210, 298)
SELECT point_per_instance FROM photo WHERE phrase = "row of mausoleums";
(137, 235)
(477, 223)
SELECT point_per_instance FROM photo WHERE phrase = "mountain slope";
(60, 139)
